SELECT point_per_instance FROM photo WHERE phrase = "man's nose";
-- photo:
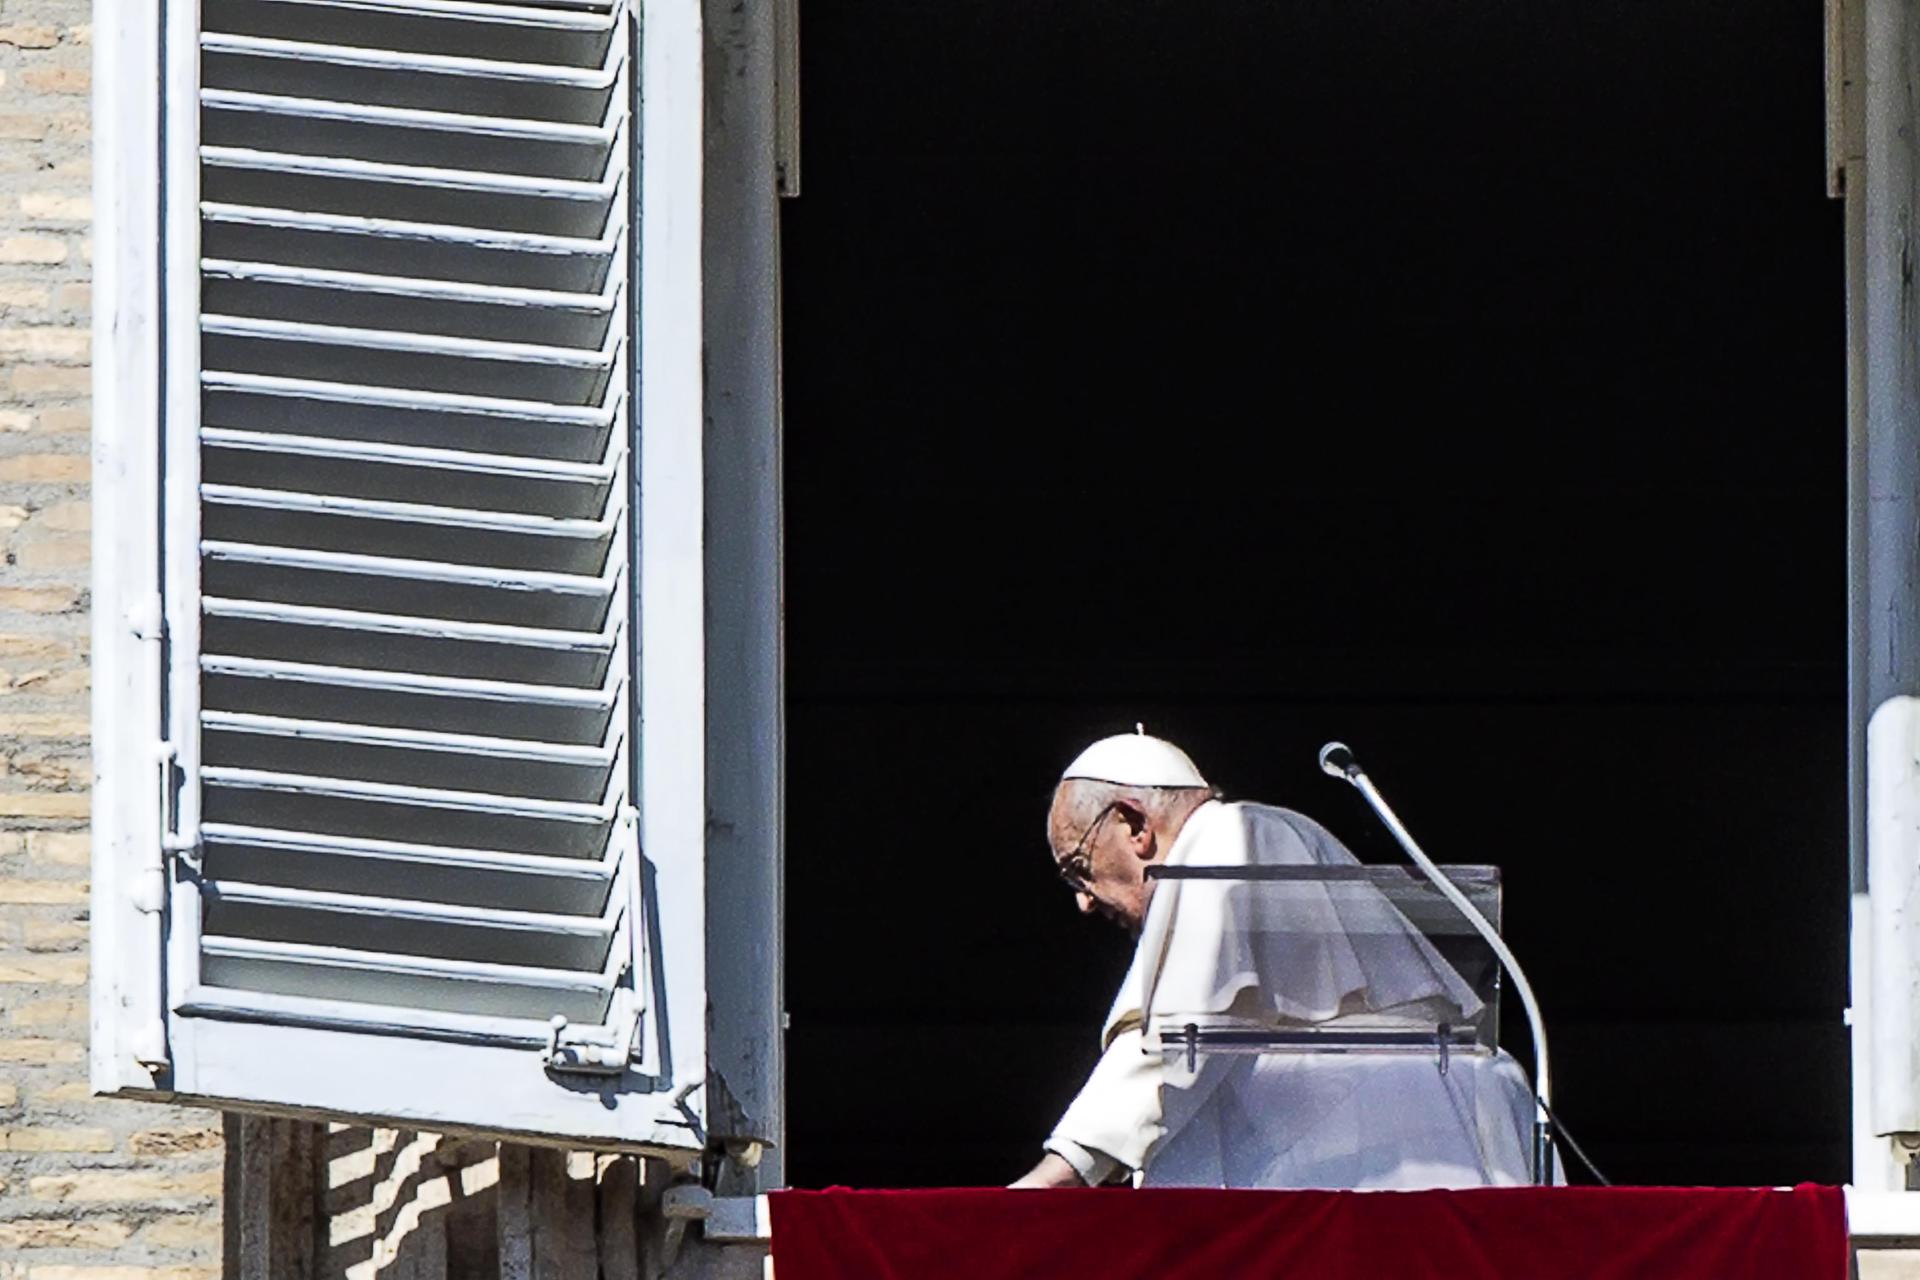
(1086, 902)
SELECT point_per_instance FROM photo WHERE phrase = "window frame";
(145, 69)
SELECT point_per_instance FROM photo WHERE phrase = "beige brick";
(40, 379)
(40, 1053)
(44, 342)
(70, 771)
(24, 128)
(182, 1231)
(43, 468)
(16, 966)
(57, 79)
(51, 206)
(174, 1142)
(40, 804)
(43, 892)
(101, 1186)
(65, 848)
(73, 297)
(41, 724)
(61, 1095)
(24, 295)
(65, 517)
(9, 1094)
(42, 681)
(80, 33)
(70, 124)
(58, 1233)
(45, 646)
(15, 420)
(65, 420)
(12, 517)
(49, 555)
(50, 935)
(38, 600)
(25, 37)
(56, 1139)
(65, 1271)
(41, 1014)
(44, 250)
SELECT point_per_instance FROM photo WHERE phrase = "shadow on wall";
(340, 1203)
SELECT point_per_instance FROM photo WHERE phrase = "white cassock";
(1232, 954)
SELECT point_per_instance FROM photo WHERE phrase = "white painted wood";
(180, 481)
(1883, 1219)
(672, 673)
(126, 1026)
(416, 441)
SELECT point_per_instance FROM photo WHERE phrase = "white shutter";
(396, 453)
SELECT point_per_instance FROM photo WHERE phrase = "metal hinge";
(604, 1050)
(147, 618)
(184, 844)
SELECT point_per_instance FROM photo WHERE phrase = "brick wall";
(89, 1189)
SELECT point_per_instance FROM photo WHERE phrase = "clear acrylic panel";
(1318, 959)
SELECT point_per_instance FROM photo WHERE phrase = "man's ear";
(1134, 818)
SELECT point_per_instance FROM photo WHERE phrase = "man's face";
(1106, 854)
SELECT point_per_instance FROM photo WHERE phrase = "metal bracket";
(604, 1050)
(147, 618)
(182, 844)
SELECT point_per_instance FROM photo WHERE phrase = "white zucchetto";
(1135, 760)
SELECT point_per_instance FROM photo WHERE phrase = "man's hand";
(1052, 1171)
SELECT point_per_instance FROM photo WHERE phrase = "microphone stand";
(1337, 759)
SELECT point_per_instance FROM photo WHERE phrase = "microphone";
(1336, 761)
(1336, 758)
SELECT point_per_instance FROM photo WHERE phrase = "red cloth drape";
(1520, 1233)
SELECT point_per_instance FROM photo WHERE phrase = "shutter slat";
(359, 300)
(504, 539)
(375, 753)
(405, 700)
(400, 248)
(422, 815)
(571, 35)
(249, 412)
(461, 197)
(328, 1013)
(404, 136)
(330, 638)
(568, 375)
(414, 764)
(417, 982)
(376, 470)
(526, 91)
(441, 931)
(441, 873)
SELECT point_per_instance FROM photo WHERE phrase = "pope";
(1336, 956)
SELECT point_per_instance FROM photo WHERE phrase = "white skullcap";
(1135, 760)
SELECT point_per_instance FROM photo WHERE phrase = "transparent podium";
(1331, 1026)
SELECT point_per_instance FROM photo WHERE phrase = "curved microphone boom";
(1337, 760)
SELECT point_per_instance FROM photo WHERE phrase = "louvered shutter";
(399, 667)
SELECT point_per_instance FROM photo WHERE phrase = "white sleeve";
(1117, 1115)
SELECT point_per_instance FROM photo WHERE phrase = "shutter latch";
(603, 1050)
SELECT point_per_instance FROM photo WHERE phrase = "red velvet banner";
(1520, 1233)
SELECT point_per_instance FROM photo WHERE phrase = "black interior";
(1465, 381)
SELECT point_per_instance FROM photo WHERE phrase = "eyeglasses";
(1077, 867)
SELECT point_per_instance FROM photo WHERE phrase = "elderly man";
(1231, 954)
